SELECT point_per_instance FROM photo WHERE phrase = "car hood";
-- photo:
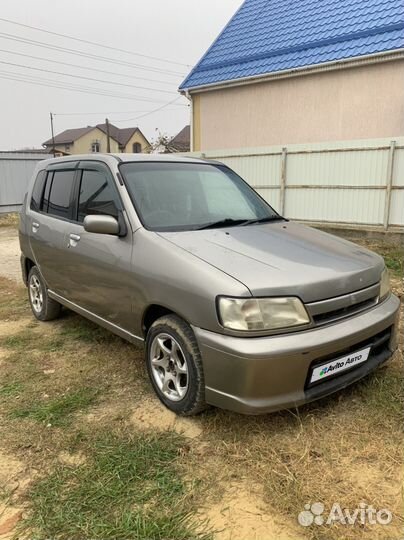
(284, 258)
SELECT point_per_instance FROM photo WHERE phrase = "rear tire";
(175, 367)
(43, 307)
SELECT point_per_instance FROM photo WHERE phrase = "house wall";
(137, 137)
(83, 144)
(355, 103)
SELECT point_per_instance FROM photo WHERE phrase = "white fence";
(15, 172)
(351, 182)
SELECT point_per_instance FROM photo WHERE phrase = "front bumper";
(262, 374)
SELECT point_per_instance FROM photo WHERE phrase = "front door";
(97, 268)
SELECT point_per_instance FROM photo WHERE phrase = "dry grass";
(393, 254)
(10, 220)
(67, 393)
(67, 384)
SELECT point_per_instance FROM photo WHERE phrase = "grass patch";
(53, 344)
(393, 257)
(131, 488)
(19, 341)
(393, 254)
(59, 410)
(77, 328)
(395, 262)
(13, 301)
(11, 389)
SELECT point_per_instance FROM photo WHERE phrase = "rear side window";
(45, 200)
(37, 191)
(97, 195)
(60, 194)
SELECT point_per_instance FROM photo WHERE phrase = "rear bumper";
(259, 375)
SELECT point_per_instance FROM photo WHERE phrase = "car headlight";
(261, 313)
(384, 285)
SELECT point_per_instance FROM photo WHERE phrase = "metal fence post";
(389, 184)
(282, 195)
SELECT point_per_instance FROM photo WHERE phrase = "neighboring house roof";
(267, 36)
(182, 141)
(68, 136)
(121, 136)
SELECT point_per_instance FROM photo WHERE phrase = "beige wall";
(355, 103)
(137, 137)
(83, 145)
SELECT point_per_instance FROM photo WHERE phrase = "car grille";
(340, 307)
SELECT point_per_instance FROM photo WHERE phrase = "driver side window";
(97, 196)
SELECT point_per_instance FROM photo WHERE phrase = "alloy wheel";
(36, 294)
(169, 367)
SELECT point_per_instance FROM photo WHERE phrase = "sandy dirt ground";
(10, 254)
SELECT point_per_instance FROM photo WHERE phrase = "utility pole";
(53, 134)
(108, 139)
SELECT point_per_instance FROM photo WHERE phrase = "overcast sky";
(178, 30)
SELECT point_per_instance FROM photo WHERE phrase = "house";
(94, 139)
(300, 71)
(181, 142)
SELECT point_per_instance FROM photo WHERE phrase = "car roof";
(167, 158)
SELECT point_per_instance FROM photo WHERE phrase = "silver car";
(237, 306)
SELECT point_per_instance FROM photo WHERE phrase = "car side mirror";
(101, 225)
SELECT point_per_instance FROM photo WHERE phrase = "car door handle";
(35, 226)
(73, 240)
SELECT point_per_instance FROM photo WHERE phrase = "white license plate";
(336, 366)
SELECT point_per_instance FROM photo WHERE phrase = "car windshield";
(188, 196)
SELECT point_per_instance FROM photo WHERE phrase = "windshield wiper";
(264, 220)
(223, 223)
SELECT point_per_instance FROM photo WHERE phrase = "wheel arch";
(154, 312)
(26, 265)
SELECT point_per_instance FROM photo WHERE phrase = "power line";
(179, 105)
(68, 86)
(151, 112)
(3, 75)
(86, 78)
(84, 67)
(95, 43)
(76, 52)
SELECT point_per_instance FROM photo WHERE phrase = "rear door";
(49, 213)
(97, 268)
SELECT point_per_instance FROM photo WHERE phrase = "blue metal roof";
(266, 36)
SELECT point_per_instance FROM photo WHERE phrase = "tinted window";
(37, 191)
(97, 195)
(60, 191)
(45, 200)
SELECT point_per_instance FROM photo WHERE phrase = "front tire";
(174, 365)
(43, 307)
